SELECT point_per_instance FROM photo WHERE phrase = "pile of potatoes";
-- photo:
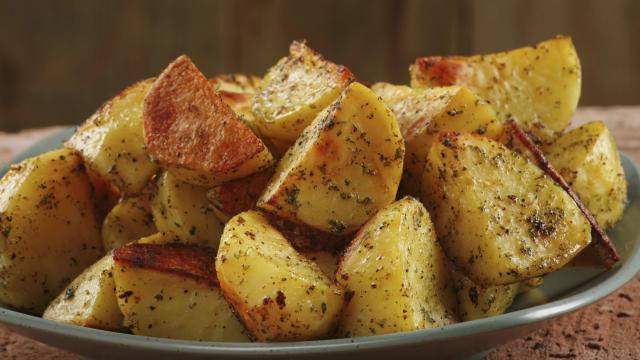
(307, 205)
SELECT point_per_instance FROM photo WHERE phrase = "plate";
(562, 292)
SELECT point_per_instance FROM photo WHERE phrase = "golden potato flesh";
(538, 86)
(397, 274)
(183, 209)
(90, 300)
(499, 218)
(111, 141)
(279, 294)
(171, 291)
(423, 113)
(344, 167)
(477, 302)
(295, 90)
(48, 228)
(129, 220)
(588, 159)
(191, 132)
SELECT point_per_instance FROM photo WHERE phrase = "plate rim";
(623, 273)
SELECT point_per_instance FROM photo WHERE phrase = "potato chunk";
(90, 300)
(538, 86)
(48, 228)
(278, 293)
(237, 91)
(295, 90)
(183, 208)
(397, 273)
(191, 132)
(111, 141)
(346, 166)
(477, 302)
(499, 218)
(423, 113)
(129, 220)
(233, 197)
(171, 291)
(588, 159)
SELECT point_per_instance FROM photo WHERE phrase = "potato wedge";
(111, 141)
(183, 208)
(423, 113)
(49, 231)
(499, 218)
(131, 219)
(327, 261)
(295, 90)
(344, 168)
(397, 273)
(90, 300)
(233, 197)
(538, 86)
(171, 291)
(478, 302)
(588, 159)
(191, 132)
(278, 293)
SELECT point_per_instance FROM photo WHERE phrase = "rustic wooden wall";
(60, 59)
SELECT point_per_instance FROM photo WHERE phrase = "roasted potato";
(278, 293)
(538, 86)
(306, 239)
(397, 274)
(129, 220)
(327, 261)
(295, 90)
(111, 141)
(191, 132)
(183, 208)
(499, 218)
(171, 291)
(49, 231)
(588, 159)
(233, 197)
(477, 302)
(423, 113)
(237, 91)
(90, 300)
(344, 167)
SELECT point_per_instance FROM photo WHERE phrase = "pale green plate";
(562, 292)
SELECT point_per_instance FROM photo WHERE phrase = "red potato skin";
(187, 124)
(439, 71)
(236, 196)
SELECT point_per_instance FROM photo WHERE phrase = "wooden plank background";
(59, 60)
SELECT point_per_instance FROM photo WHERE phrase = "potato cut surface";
(344, 167)
(397, 274)
(423, 113)
(90, 300)
(538, 86)
(588, 159)
(129, 220)
(49, 231)
(295, 90)
(111, 141)
(170, 290)
(191, 132)
(499, 218)
(279, 294)
(478, 302)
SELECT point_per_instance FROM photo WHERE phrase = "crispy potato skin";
(295, 90)
(279, 294)
(397, 274)
(538, 86)
(189, 128)
(129, 220)
(170, 290)
(588, 159)
(90, 300)
(48, 228)
(111, 141)
(424, 113)
(499, 218)
(344, 167)
(233, 197)
(478, 302)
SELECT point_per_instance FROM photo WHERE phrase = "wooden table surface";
(608, 329)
